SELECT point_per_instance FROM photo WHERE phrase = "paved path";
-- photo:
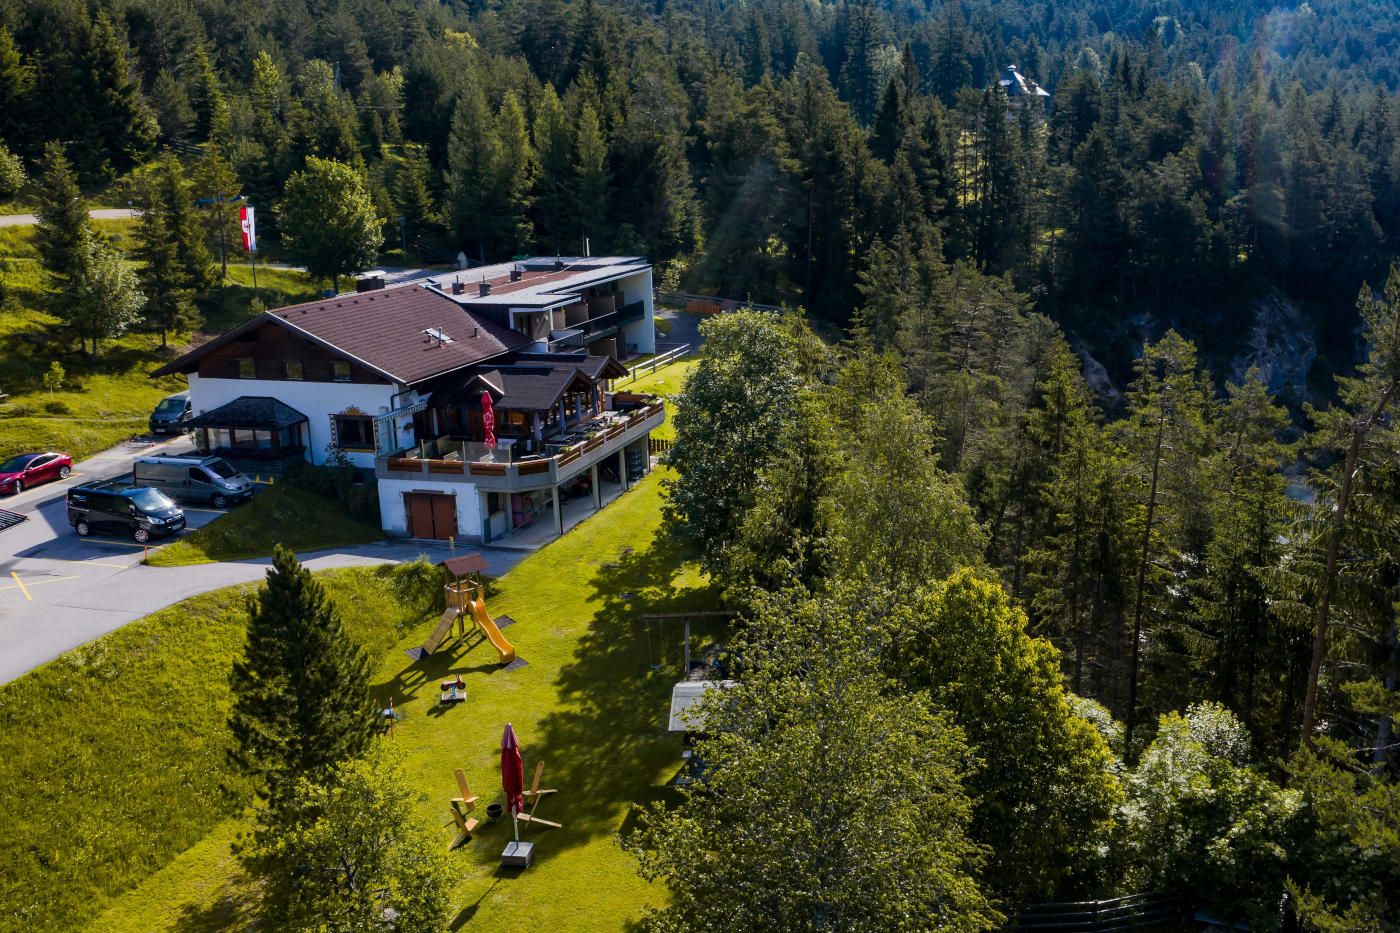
(58, 591)
(97, 213)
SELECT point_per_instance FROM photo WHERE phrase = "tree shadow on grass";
(608, 744)
(225, 913)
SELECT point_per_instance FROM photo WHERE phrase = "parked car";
(19, 473)
(123, 508)
(172, 414)
(211, 480)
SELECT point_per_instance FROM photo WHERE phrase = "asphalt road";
(98, 213)
(58, 591)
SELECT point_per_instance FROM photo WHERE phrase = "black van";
(123, 508)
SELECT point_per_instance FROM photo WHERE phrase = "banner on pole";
(250, 229)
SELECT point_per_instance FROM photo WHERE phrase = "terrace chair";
(534, 795)
(461, 807)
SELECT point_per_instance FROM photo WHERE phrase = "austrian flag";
(250, 230)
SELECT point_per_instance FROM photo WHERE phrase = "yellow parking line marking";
(24, 588)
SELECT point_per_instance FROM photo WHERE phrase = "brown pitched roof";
(393, 332)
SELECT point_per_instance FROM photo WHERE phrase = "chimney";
(515, 274)
(459, 288)
(484, 288)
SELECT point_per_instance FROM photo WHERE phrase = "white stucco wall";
(640, 334)
(394, 515)
(316, 400)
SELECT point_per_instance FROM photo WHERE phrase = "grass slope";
(107, 399)
(588, 703)
(281, 514)
(112, 757)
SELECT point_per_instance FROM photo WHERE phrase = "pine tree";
(1351, 428)
(218, 191)
(63, 229)
(301, 702)
(514, 176)
(16, 94)
(591, 177)
(553, 147)
(1238, 639)
(162, 280)
(122, 128)
(472, 158)
(207, 98)
(1165, 436)
(412, 196)
(182, 226)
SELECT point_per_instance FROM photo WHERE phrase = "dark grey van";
(211, 480)
(172, 414)
(123, 508)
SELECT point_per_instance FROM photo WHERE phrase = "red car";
(19, 473)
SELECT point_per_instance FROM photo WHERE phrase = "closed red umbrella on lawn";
(512, 774)
(488, 420)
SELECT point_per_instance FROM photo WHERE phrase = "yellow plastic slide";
(488, 626)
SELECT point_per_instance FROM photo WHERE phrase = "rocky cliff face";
(1283, 345)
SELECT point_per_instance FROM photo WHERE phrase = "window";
(220, 438)
(354, 432)
(246, 369)
(199, 476)
(291, 369)
(340, 371)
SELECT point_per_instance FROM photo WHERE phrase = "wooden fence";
(656, 362)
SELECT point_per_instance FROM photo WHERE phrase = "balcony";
(568, 458)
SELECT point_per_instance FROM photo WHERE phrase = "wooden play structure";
(466, 613)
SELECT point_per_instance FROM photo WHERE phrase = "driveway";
(58, 591)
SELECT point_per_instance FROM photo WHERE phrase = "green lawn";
(280, 514)
(108, 399)
(112, 757)
(133, 724)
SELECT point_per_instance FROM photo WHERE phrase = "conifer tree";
(472, 159)
(218, 191)
(207, 97)
(1351, 428)
(122, 129)
(514, 176)
(591, 177)
(412, 195)
(301, 701)
(1165, 436)
(162, 280)
(553, 147)
(16, 94)
(63, 228)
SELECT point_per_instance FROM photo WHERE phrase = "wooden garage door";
(431, 515)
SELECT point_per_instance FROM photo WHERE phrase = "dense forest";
(1079, 470)
(1213, 167)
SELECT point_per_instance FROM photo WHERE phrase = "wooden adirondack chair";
(533, 796)
(461, 807)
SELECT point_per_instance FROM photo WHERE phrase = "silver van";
(212, 480)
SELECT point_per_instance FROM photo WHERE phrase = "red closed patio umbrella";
(512, 775)
(488, 420)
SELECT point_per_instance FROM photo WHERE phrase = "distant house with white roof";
(1022, 90)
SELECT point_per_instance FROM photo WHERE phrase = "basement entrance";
(431, 515)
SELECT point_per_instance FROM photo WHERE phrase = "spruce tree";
(590, 173)
(63, 227)
(301, 701)
(218, 189)
(514, 176)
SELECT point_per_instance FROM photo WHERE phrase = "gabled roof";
(594, 367)
(405, 334)
(250, 411)
(1018, 85)
(532, 387)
